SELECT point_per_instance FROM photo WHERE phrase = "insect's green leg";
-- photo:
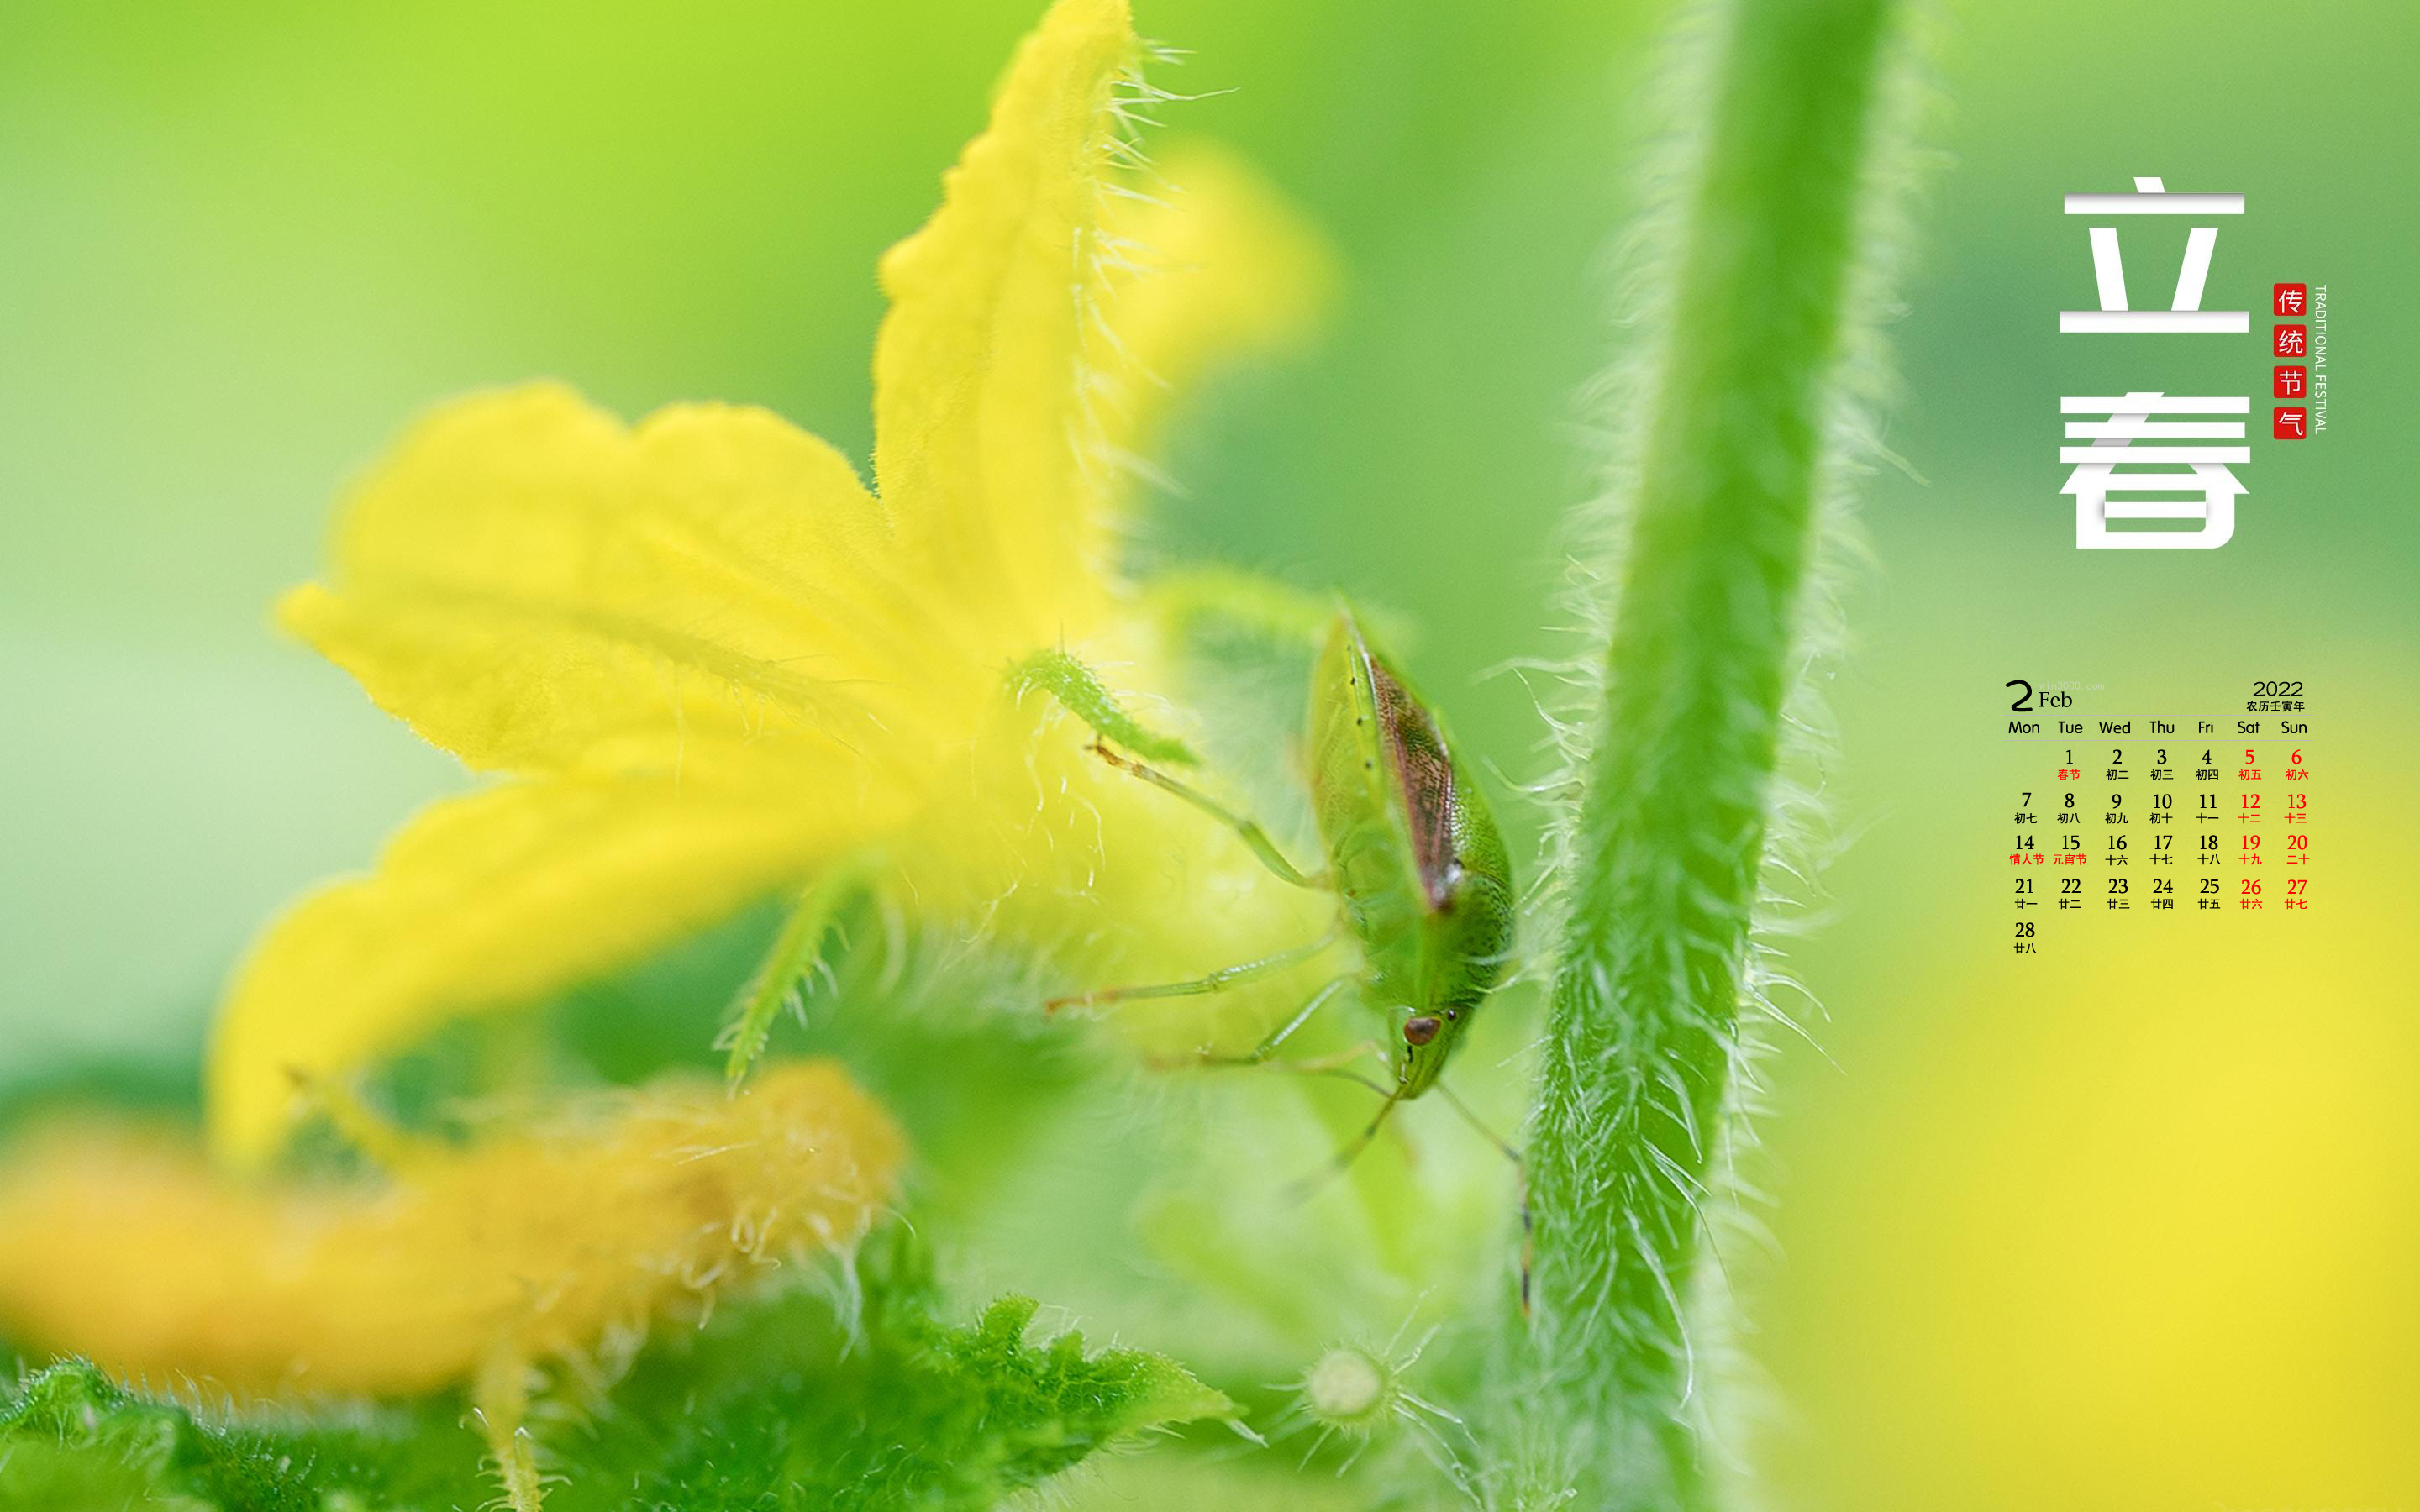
(1249, 830)
(1217, 981)
(776, 981)
(1259, 1055)
(1081, 692)
(1343, 1160)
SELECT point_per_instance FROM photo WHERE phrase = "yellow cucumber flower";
(560, 1240)
(554, 1245)
(707, 664)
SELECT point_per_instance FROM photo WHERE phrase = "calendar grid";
(2208, 814)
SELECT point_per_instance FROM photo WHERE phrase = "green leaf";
(918, 1414)
(71, 1437)
(781, 1404)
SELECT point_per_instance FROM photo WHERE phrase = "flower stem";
(1676, 780)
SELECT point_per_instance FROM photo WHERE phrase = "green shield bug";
(1422, 882)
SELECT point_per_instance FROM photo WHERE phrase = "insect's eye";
(1421, 1030)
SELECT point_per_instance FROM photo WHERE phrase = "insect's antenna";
(1311, 1186)
(1521, 1169)
(1502, 1146)
(1356, 1079)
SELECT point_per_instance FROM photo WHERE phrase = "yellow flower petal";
(525, 581)
(489, 899)
(125, 1246)
(1224, 266)
(723, 663)
(982, 440)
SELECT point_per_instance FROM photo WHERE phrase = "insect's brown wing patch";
(1415, 748)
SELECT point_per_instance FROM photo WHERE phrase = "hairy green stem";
(1675, 782)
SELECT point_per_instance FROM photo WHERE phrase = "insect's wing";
(1418, 851)
(1361, 818)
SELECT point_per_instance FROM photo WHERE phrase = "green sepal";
(1082, 693)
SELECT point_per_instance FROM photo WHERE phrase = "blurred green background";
(2132, 1226)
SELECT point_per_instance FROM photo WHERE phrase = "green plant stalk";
(1677, 776)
